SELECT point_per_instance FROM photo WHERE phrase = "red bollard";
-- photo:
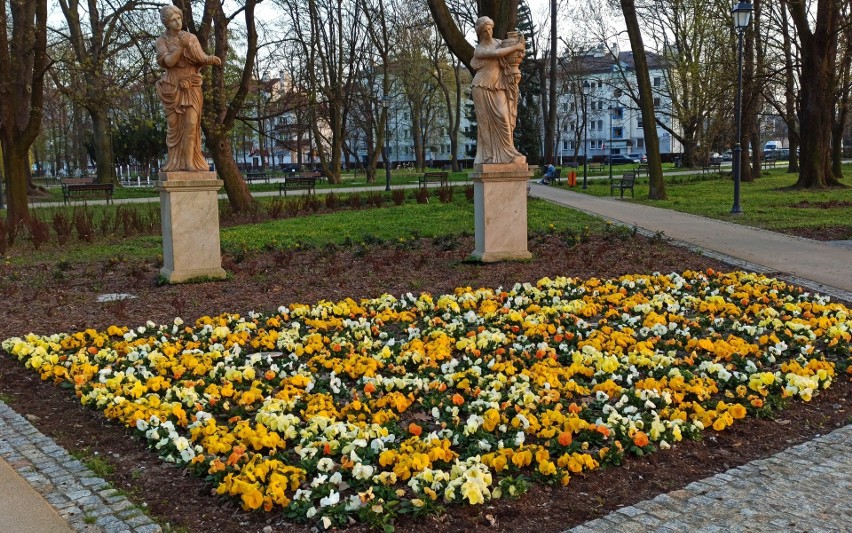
(572, 179)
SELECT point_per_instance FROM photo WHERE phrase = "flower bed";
(373, 408)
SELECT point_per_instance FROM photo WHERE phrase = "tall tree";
(329, 35)
(23, 66)
(94, 44)
(222, 103)
(504, 13)
(550, 111)
(817, 28)
(656, 185)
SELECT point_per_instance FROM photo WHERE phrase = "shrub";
(445, 194)
(332, 201)
(84, 224)
(398, 196)
(355, 201)
(275, 208)
(63, 226)
(39, 231)
(422, 195)
(468, 192)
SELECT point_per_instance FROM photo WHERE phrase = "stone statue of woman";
(180, 53)
(495, 94)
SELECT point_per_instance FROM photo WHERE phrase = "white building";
(614, 119)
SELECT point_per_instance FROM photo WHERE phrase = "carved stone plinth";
(189, 207)
(500, 211)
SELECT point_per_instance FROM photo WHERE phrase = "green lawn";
(766, 203)
(392, 223)
(356, 179)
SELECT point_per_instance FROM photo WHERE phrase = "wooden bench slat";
(306, 181)
(433, 177)
(76, 187)
(626, 181)
(256, 176)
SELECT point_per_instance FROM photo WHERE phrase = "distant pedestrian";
(549, 173)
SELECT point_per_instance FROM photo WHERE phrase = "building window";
(618, 113)
(617, 133)
(640, 142)
(564, 145)
(600, 125)
(658, 81)
(657, 102)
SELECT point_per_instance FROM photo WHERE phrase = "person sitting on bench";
(549, 173)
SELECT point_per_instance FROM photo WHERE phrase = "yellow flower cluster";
(341, 408)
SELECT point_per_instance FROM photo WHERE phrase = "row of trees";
(94, 71)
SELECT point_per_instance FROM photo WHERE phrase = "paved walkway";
(804, 488)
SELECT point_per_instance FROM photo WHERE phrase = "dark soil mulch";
(830, 233)
(62, 297)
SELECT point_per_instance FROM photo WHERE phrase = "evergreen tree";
(528, 128)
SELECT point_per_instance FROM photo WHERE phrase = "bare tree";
(23, 66)
(97, 79)
(504, 13)
(329, 35)
(656, 185)
(222, 103)
(817, 28)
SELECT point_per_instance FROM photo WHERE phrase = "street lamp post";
(609, 109)
(586, 89)
(741, 14)
(386, 102)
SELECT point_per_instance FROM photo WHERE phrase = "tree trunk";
(815, 117)
(656, 185)
(105, 159)
(550, 123)
(218, 142)
(504, 13)
(818, 48)
(15, 167)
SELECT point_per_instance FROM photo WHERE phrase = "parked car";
(728, 156)
(620, 159)
(639, 158)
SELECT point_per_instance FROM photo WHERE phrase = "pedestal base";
(189, 208)
(500, 212)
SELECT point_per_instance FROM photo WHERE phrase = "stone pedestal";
(189, 207)
(500, 211)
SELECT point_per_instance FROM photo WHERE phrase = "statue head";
(166, 13)
(482, 23)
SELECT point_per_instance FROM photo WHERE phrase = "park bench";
(557, 177)
(626, 181)
(643, 169)
(306, 182)
(711, 166)
(768, 163)
(433, 177)
(596, 166)
(256, 176)
(85, 188)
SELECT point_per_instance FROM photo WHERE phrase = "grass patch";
(5, 398)
(100, 466)
(767, 202)
(433, 219)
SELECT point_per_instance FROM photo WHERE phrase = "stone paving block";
(630, 511)
(137, 521)
(150, 528)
